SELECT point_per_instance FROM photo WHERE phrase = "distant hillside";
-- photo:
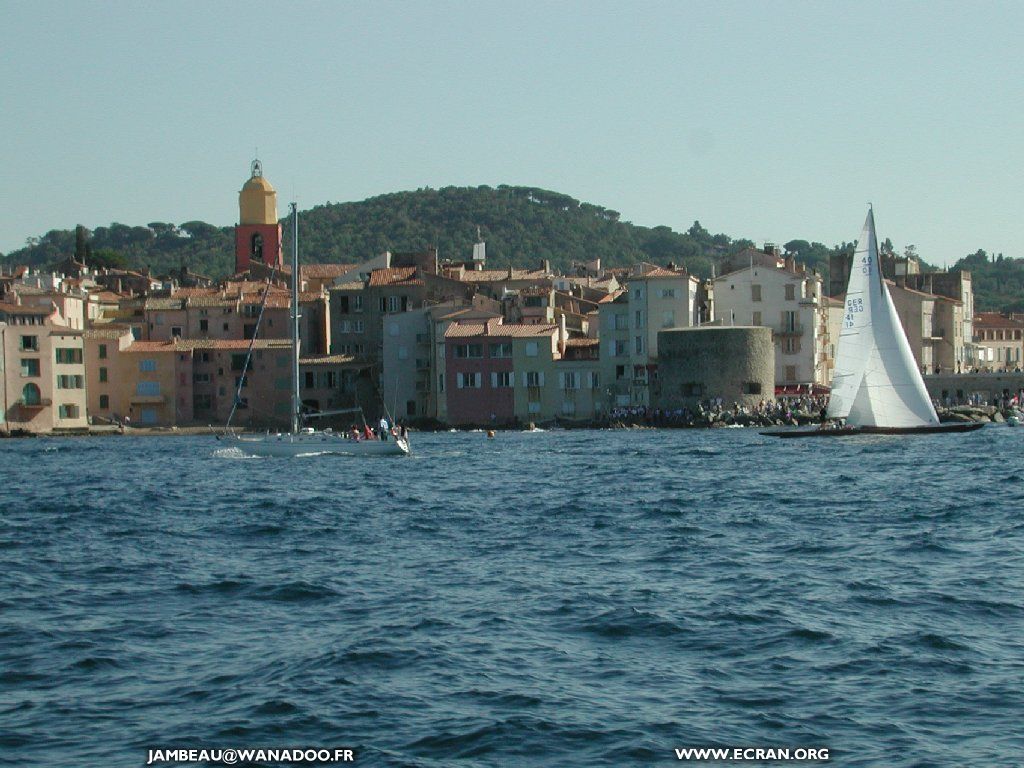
(521, 225)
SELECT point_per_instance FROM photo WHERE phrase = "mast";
(295, 318)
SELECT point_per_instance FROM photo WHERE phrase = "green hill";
(521, 225)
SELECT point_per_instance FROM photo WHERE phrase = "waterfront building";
(578, 370)
(770, 291)
(42, 365)
(697, 365)
(999, 341)
(655, 298)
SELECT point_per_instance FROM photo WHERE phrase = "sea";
(559, 598)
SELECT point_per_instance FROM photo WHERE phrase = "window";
(790, 373)
(755, 292)
(469, 350)
(68, 356)
(532, 348)
(357, 303)
(29, 344)
(533, 378)
(251, 310)
(403, 352)
(751, 388)
(67, 411)
(570, 380)
(440, 382)
(756, 319)
(668, 318)
(789, 322)
(204, 325)
(621, 322)
(357, 326)
(176, 331)
(791, 345)
(790, 292)
(147, 388)
(502, 379)
(70, 382)
(29, 367)
(238, 362)
(620, 371)
(329, 380)
(639, 345)
(503, 349)
(472, 380)
(595, 380)
(30, 395)
(392, 329)
(248, 330)
(103, 375)
(103, 351)
(201, 378)
(619, 348)
(202, 402)
(668, 293)
(639, 319)
(104, 402)
(147, 365)
(225, 326)
(308, 380)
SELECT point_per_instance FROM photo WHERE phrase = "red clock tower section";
(258, 233)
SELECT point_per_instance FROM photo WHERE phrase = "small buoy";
(490, 434)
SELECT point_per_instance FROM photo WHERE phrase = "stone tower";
(258, 234)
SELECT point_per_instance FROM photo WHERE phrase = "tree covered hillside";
(521, 225)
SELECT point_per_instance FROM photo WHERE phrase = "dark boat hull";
(850, 431)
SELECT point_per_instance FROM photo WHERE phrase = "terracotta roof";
(163, 303)
(184, 345)
(392, 275)
(510, 330)
(353, 286)
(107, 333)
(326, 359)
(579, 342)
(325, 270)
(106, 296)
(21, 309)
(189, 293)
(663, 272)
(496, 275)
(996, 320)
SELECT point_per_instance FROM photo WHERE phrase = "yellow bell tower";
(258, 234)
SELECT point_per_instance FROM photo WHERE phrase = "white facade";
(789, 301)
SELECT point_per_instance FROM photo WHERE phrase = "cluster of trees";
(521, 226)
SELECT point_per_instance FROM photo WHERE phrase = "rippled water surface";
(554, 599)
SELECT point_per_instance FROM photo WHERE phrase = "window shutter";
(459, 381)
(494, 380)
(561, 379)
(478, 380)
(541, 382)
(525, 380)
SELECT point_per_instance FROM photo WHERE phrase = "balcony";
(43, 402)
(147, 399)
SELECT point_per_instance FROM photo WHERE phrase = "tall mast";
(295, 319)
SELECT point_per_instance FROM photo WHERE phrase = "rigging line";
(252, 343)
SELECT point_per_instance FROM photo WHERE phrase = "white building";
(776, 293)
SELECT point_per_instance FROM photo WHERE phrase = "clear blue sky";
(773, 120)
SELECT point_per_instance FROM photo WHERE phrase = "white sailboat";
(306, 440)
(876, 386)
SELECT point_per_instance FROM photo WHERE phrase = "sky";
(771, 121)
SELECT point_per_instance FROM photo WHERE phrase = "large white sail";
(876, 381)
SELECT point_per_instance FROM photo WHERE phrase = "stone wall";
(959, 387)
(695, 364)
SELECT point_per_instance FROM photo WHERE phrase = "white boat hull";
(284, 444)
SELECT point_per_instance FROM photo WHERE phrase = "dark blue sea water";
(546, 599)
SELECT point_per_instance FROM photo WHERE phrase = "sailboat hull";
(850, 431)
(313, 443)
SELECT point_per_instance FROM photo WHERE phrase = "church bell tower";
(258, 234)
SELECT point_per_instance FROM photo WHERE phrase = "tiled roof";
(21, 309)
(324, 271)
(510, 330)
(184, 345)
(162, 303)
(356, 285)
(107, 333)
(392, 275)
(326, 359)
(995, 320)
(580, 342)
(191, 293)
(497, 275)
